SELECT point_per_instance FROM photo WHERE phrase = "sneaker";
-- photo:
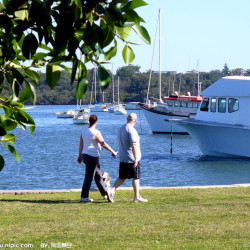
(140, 199)
(86, 200)
(110, 194)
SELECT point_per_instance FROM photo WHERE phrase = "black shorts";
(128, 171)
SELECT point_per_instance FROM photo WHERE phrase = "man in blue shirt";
(130, 156)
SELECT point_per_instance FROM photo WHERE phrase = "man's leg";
(136, 186)
(118, 183)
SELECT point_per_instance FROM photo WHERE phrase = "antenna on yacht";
(198, 80)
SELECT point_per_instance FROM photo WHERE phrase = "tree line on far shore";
(133, 85)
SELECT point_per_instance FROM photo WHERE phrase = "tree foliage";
(51, 33)
(133, 86)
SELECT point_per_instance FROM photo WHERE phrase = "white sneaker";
(110, 194)
(140, 199)
(86, 200)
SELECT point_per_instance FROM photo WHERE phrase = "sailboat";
(119, 110)
(81, 115)
(160, 114)
(97, 107)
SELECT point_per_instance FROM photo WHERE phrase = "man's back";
(127, 134)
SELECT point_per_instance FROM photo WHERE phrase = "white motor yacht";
(221, 126)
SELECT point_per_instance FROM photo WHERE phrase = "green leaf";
(1, 162)
(39, 56)
(123, 32)
(52, 75)
(7, 124)
(29, 46)
(104, 77)
(128, 54)
(81, 88)
(137, 3)
(24, 119)
(9, 138)
(33, 74)
(25, 95)
(13, 151)
(142, 33)
(21, 15)
(111, 52)
(43, 46)
(74, 69)
(132, 16)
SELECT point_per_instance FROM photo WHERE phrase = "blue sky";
(214, 32)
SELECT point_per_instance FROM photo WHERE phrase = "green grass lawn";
(172, 219)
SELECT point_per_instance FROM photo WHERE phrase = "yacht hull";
(220, 139)
(160, 123)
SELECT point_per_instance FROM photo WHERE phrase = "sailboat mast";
(160, 56)
(118, 90)
(95, 82)
(113, 85)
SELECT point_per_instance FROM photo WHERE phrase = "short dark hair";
(92, 120)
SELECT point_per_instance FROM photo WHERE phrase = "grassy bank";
(172, 219)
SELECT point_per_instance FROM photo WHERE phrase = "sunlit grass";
(172, 219)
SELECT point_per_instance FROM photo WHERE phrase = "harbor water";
(49, 156)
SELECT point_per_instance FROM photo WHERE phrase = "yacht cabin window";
(222, 105)
(213, 105)
(205, 104)
(170, 104)
(233, 105)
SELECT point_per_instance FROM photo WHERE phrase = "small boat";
(98, 108)
(221, 126)
(66, 114)
(82, 117)
(133, 106)
(120, 110)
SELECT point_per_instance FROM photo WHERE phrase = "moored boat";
(221, 126)
(133, 106)
(159, 115)
(66, 114)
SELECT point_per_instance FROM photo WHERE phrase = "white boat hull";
(160, 123)
(217, 139)
(120, 112)
(81, 120)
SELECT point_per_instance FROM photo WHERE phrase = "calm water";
(49, 156)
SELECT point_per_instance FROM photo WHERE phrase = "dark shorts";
(128, 171)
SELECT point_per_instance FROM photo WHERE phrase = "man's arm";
(134, 150)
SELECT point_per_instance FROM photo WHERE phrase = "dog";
(106, 179)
